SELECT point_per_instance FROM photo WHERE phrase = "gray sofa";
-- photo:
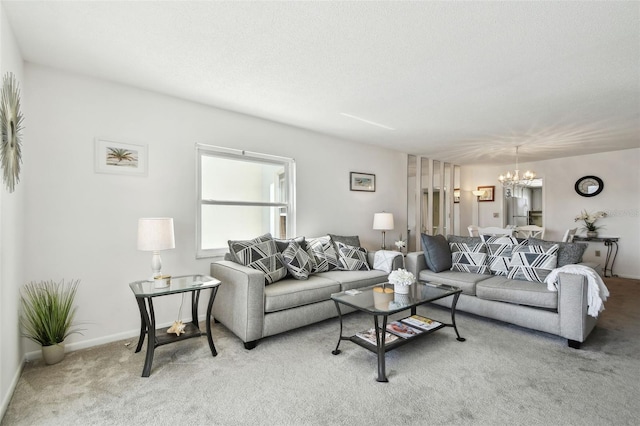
(252, 310)
(523, 303)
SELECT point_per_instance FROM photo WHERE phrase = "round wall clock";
(589, 186)
(11, 123)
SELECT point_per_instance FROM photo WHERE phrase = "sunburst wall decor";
(11, 122)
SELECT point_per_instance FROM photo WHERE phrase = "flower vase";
(592, 234)
(401, 288)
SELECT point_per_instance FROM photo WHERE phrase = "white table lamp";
(155, 234)
(383, 222)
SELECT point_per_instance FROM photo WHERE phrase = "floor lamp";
(478, 193)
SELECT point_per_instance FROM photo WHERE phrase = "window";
(242, 195)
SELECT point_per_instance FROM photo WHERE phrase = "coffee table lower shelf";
(401, 341)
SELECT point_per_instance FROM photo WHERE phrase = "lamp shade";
(478, 193)
(156, 234)
(383, 221)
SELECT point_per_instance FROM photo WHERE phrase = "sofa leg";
(250, 345)
(574, 344)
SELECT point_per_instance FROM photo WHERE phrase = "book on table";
(421, 322)
(370, 336)
(403, 330)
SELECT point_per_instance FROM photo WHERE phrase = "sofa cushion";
(247, 251)
(290, 293)
(533, 263)
(463, 280)
(356, 279)
(324, 254)
(499, 249)
(297, 261)
(568, 253)
(283, 244)
(262, 254)
(530, 293)
(350, 240)
(352, 258)
(272, 267)
(467, 258)
(436, 252)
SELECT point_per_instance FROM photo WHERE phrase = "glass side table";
(145, 291)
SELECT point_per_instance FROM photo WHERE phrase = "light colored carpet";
(501, 375)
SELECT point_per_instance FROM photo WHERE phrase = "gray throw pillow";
(437, 252)
(568, 253)
(350, 240)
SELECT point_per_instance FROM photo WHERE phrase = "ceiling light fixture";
(512, 180)
(364, 120)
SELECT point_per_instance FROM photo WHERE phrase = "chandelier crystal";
(513, 179)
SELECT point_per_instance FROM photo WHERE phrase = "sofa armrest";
(239, 303)
(415, 262)
(575, 323)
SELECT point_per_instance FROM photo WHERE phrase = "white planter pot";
(53, 354)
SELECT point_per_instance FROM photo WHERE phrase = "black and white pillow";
(352, 258)
(499, 249)
(297, 261)
(533, 263)
(469, 258)
(323, 253)
(262, 254)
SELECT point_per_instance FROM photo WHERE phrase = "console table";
(145, 291)
(612, 251)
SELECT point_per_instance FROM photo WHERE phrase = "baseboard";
(84, 344)
(12, 387)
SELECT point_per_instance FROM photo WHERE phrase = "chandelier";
(512, 180)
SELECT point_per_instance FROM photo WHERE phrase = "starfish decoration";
(177, 327)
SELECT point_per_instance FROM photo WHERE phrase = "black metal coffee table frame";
(364, 302)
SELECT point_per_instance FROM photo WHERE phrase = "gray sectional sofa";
(521, 302)
(253, 308)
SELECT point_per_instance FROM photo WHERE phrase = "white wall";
(11, 241)
(80, 224)
(620, 199)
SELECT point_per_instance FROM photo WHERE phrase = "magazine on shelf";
(370, 336)
(421, 322)
(403, 330)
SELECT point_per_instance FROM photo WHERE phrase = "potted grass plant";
(47, 315)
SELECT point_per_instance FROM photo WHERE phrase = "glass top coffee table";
(380, 304)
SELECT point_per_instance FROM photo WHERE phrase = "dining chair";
(495, 231)
(568, 235)
(530, 231)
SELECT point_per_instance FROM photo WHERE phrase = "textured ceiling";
(458, 81)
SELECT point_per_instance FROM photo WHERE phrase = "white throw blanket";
(383, 260)
(597, 291)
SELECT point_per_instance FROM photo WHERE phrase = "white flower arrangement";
(401, 277)
(400, 245)
(590, 219)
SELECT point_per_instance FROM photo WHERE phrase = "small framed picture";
(456, 195)
(488, 193)
(362, 182)
(120, 158)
